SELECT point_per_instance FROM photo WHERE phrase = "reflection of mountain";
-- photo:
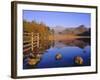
(77, 42)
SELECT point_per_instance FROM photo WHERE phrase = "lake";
(70, 52)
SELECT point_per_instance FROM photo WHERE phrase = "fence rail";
(32, 40)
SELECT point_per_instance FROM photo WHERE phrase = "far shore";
(66, 37)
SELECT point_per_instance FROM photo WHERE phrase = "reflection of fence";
(30, 41)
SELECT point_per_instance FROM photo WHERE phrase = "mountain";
(86, 33)
(58, 29)
(77, 31)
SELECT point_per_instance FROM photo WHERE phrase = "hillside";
(80, 31)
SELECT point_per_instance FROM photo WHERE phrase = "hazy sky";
(52, 19)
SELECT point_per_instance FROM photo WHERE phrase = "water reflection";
(71, 52)
(80, 42)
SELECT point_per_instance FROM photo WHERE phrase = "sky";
(53, 19)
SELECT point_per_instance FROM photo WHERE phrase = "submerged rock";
(78, 60)
(58, 56)
(33, 61)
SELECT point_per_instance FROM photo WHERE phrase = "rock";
(33, 61)
(58, 56)
(78, 60)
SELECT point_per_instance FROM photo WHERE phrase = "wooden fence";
(30, 41)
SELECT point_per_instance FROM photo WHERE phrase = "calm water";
(68, 50)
